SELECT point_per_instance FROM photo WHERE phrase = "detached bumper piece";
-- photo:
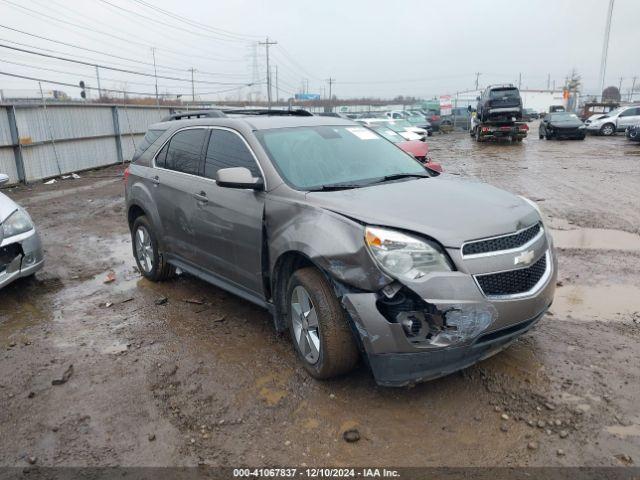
(20, 258)
(401, 369)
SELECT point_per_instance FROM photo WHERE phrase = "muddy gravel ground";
(182, 373)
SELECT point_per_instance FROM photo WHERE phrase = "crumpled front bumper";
(397, 361)
(27, 253)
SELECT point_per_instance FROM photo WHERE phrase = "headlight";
(404, 256)
(18, 222)
(532, 203)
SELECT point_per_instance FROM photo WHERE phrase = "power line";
(126, 40)
(148, 94)
(141, 62)
(133, 12)
(93, 64)
(195, 23)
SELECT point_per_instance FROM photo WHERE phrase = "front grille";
(506, 242)
(513, 281)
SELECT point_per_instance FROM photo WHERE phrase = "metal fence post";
(15, 140)
(117, 134)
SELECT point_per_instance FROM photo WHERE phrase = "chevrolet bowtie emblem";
(524, 258)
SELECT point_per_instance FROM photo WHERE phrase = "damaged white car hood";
(447, 209)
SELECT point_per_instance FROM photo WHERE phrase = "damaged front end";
(415, 306)
(20, 254)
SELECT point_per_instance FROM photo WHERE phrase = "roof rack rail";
(299, 112)
(209, 113)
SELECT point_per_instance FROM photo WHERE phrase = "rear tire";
(324, 320)
(150, 261)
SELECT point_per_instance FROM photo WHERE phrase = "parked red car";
(417, 148)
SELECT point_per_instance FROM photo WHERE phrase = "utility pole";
(267, 43)
(519, 81)
(277, 88)
(605, 47)
(548, 81)
(620, 85)
(155, 74)
(98, 78)
(477, 78)
(193, 88)
(331, 82)
(633, 87)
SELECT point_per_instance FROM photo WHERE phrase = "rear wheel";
(608, 129)
(318, 325)
(145, 250)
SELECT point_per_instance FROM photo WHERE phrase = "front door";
(229, 221)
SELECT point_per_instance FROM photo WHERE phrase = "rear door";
(178, 166)
(228, 220)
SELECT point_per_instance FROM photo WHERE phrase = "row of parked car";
(569, 125)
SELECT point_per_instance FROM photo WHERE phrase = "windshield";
(563, 117)
(415, 119)
(311, 157)
(387, 133)
(402, 124)
(505, 92)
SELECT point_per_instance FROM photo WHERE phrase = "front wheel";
(150, 262)
(608, 129)
(318, 325)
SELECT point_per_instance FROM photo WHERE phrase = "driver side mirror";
(3, 178)
(238, 177)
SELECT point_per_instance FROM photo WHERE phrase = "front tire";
(150, 262)
(608, 129)
(318, 325)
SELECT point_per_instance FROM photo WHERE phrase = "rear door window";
(226, 150)
(185, 151)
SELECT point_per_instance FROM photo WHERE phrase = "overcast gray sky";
(371, 47)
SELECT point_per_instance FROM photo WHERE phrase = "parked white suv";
(615, 121)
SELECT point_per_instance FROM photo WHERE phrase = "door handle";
(201, 197)
(155, 180)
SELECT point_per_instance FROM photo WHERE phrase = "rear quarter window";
(149, 139)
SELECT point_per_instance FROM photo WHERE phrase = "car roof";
(253, 122)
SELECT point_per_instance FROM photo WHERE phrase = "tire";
(581, 137)
(548, 136)
(477, 135)
(540, 136)
(144, 241)
(338, 352)
(608, 129)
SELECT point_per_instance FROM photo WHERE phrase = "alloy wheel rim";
(305, 325)
(607, 130)
(144, 249)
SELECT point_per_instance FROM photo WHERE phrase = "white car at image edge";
(20, 248)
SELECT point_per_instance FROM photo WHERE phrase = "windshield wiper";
(334, 187)
(398, 176)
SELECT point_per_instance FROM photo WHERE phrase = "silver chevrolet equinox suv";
(351, 244)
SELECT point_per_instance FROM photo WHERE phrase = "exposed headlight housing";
(16, 223)
(405, 257)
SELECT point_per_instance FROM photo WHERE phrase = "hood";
(7, 207)
(447, 209)
(417, 148)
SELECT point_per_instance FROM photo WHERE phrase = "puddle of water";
(605, 303)
(596, 239)
(624, 431)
